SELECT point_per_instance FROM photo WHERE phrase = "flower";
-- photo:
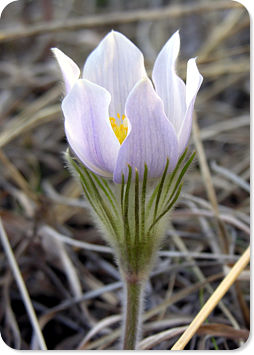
(115, 117)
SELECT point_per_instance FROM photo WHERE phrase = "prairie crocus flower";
(116, 118)
(125, 127)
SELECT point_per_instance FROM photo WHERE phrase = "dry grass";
(59, 282)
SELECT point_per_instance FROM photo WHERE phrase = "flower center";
(120, 127)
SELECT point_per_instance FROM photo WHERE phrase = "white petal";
(151, 140)
(70, 70)
(193, 82)
(117, 65)
(88, 128)
(168, 85)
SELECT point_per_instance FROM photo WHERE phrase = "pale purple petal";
(117, 65)
(88, 128)
(168, 85)
(69, 69)
(152, 138)
(193, 82)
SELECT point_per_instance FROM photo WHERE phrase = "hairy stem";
(132, 312)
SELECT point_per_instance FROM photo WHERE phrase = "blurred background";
(70, 274)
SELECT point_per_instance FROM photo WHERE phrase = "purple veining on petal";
(168, 85)
(117, 65)
(88, 128)
(152, 138)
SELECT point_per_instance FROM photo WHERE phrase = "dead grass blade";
(155, 310)
(222, 234)
(220, 330)
(114, 18)
(153, 340)
(213, 300)
(22, 287)
(19, 127)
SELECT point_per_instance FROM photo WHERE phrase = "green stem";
(132, 312)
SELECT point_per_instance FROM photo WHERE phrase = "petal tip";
(54, 49)
(175, 37)
(192, 66)
(113, 34)
(70, 70)
(176, 33)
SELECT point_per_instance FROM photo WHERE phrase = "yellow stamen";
(120, 129)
